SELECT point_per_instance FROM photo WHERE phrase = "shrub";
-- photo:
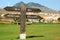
(59, 19)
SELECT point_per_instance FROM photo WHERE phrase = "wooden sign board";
(12, 15)
(18, 16)
(32, 16)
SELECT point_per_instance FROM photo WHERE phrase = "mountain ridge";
(44, 9)
(36, 5)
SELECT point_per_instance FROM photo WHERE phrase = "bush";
(59, 19)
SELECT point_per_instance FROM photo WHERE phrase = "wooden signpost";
(23, 22)
(22, 17)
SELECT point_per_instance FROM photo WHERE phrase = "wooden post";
(23, 22)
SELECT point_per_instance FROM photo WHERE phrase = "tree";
(16, 20)
(59, 19)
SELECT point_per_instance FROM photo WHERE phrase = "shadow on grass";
(34, 36)
(31, 36)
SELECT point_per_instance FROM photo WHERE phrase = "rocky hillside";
(36, 5)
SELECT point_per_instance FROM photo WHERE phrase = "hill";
(36, 5)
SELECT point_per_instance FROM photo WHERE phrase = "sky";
(53, 4)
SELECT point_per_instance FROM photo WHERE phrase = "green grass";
(36, 31)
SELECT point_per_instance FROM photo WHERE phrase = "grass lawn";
(37, 31)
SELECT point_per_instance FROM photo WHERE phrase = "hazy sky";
(54, 4)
